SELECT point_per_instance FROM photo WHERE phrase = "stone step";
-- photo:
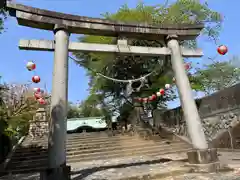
(23, 156)
(96, 156)
(85, 136)
(116, 143)
(92, 147)
(42, 163)
(44, 142)
(136, 151)
(92, 134)
(97, 142)
(86, 140)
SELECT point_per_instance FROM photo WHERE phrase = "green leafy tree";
(91, 107)
(133, 66)
(3, 16)
(218, 75)
(3, 123)
(17, 109)
(73, 111)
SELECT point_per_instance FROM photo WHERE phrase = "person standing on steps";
(124, 126)
(114, 128)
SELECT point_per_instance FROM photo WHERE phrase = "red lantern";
(31, 66)
(139, 99)
(222, 49)
(187, 66)
(36, 79)
(150, 98)
(37, 95)
(161, 91)
(145, 100)
(154, 97)
(41, 101)
(37, 90)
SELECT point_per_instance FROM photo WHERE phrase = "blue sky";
(13, 61)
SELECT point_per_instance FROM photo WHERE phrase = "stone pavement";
(209, 176)
(230, 158)
(151, 168)
(121, 168)
(165, 167)
(134, 168)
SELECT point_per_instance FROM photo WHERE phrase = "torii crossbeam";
(47, 45)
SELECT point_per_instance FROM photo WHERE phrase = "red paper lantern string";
(162, 91)
(31, 66)
(41, 101)
(38, 95)
(187, 66)
(145, 100)
(36, 79)
(154, 97)
(139, 99)
(37, 90)
(222, 49)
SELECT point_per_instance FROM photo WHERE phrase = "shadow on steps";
(86, 172)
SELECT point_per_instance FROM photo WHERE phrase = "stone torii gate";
(64, 24)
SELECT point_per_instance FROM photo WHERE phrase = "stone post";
(189, 107)
(39, 126)
(58, 111)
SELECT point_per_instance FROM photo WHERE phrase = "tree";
(18, 108)
(3, 123)
(3, 15)
(129, 67)
(73, 111)
(91, 107)
(218, 75)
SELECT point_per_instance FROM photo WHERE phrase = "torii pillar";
(200, 153)
(189, 107)
(58, 111)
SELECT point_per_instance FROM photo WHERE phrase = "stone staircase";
(31, 155)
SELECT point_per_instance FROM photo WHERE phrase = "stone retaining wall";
(220, 114)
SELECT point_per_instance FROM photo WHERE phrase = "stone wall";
(220, 114)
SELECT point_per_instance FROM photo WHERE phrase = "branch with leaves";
(133, 66)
